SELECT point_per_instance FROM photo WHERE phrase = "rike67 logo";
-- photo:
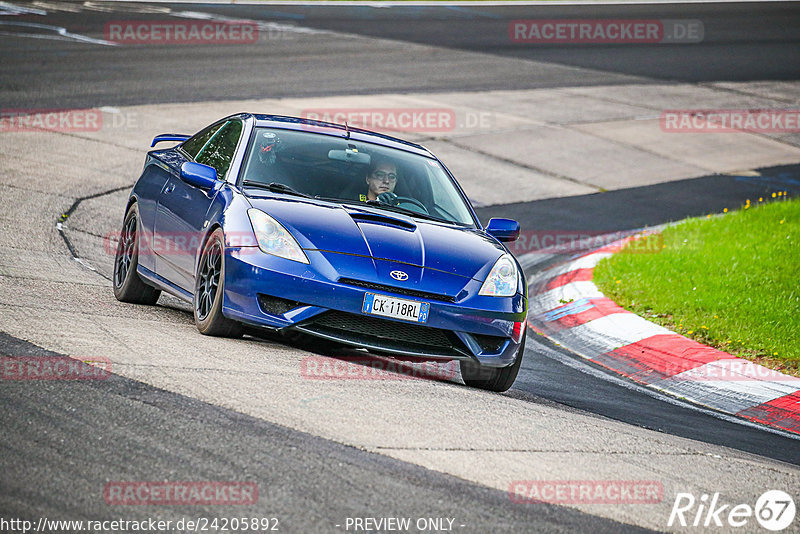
(774, 510)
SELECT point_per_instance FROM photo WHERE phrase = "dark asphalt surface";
(638, 207)
(736, 45)
(759, 41)
(62, 442)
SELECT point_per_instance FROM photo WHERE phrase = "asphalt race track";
(180, 406)
(739, 46)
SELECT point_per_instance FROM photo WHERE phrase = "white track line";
(61, 34)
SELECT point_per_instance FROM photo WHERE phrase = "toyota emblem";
(400, 276)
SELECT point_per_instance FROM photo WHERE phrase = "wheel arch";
(131, 201)
(211, 229)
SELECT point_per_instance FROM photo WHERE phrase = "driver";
(381, 181)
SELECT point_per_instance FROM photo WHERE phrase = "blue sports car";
(317, 229)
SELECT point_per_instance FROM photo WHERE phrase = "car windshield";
(353, 172)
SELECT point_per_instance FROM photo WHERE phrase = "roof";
(339, 130)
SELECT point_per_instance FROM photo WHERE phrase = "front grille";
(276, 305)
(383, 333)
(399, 290)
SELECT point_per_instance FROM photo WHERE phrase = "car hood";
(387, 237)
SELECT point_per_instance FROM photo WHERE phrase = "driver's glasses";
(380, 175)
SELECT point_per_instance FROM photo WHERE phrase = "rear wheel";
(128, 287)
(492, 378)
(209, 288)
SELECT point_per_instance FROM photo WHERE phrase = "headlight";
(273, 238)
(502, 279)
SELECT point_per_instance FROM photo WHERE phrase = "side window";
(218, 152)
(194, 144)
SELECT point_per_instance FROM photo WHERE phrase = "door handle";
(169, 188)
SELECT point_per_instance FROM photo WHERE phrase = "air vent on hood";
(361, 216)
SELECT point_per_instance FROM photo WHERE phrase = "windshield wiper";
(276, 187)
(406, 211)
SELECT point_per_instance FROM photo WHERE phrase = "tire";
(208, 289)
(128, 287)
(497, 379)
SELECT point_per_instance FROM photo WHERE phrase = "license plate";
(407, 310)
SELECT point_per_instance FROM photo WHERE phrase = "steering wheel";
(414, 201)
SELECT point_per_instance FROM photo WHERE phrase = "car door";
(182, 208)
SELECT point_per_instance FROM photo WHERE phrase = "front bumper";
(268, 291)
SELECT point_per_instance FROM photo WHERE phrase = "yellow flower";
(761, 199)
(704, 326)
(725, 210)
(774, 353)
(708, 216)
(774, 195)
(716, 317)
(690, 332)
(619, 281)
(782, 220)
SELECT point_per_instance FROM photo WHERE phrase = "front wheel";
(497, 379)
(209, 287)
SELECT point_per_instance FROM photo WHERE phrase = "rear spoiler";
(169, 137)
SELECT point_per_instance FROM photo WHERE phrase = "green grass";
(732, 282)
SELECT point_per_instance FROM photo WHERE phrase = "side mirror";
(506, 230)
(199, 175)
